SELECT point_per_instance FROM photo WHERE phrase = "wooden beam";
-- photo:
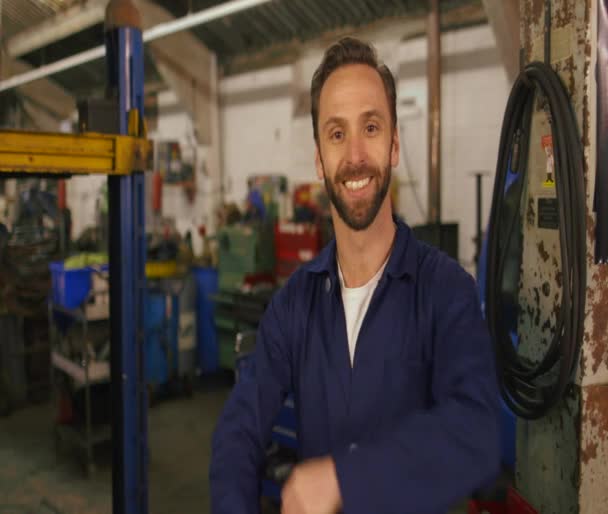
(503, 16)
(44, 93)
(40, 119)
(185, 65)
(57, 27)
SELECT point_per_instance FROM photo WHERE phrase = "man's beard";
(361, 214)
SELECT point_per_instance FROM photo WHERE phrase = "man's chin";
(357, 221)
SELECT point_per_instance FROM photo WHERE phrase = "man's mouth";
(355, 185)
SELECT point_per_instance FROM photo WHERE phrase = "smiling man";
(380, 339)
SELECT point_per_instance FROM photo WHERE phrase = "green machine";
(246, 264)
(237, 313)
(244, 250)
(246, 259)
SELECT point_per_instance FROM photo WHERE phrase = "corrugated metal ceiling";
(21, 14)
(280, 22)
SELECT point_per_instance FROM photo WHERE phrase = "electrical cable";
(532, 388)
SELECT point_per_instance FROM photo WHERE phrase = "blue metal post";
(125, 58)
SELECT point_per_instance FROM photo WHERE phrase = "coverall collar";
(402, 261)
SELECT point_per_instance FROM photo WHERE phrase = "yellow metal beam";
(88, 153)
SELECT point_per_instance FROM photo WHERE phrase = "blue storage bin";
(70, 287)
(161, 338)
(155, 362)
(154, 314)
(206, 335)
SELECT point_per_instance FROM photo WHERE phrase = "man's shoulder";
(302, 282)
(305, 275)
(320, 263)
(437, 267)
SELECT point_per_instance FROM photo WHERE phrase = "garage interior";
(157, 186)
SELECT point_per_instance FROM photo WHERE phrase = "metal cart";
(75, 370)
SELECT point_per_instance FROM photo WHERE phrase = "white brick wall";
(261, 134)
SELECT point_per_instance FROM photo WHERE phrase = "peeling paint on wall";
(597, 301)
(553, 464)
(593, 494)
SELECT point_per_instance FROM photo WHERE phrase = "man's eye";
(371, 128)
(337, 135)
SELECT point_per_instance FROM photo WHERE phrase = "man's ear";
(395, 149)
(319, 164)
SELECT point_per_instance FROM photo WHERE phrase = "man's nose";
(356, 150)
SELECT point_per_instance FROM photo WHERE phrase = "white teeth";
(353, 185)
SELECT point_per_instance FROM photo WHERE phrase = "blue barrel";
(206, 335)
(156, 369)
(161, 337)
(155, 357)
(154, 316)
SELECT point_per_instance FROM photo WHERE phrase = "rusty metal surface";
(594, 365)
(593, 494)
(122, 13)
(540, 286)
(556, 470)
(595, 349)
(547, 471)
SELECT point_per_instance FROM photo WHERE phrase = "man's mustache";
(356, 173)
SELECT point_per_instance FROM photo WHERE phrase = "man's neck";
(362, 253)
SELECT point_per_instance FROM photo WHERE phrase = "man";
(380, 339)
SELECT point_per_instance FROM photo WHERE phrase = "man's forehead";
(353, 89)
(353, 75)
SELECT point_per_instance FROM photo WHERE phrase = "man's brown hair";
(349, 50)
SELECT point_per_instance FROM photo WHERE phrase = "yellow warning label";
(548, 183)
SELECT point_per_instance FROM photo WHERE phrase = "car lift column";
(125, 74)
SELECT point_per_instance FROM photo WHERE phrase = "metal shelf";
(77, 435)
(98, 372)
(83, 373)
(123, 158)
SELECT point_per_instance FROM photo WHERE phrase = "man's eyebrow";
(372, 113)
(334, 119)
(364, 115)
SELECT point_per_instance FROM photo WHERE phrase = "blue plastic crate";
(70, 287)
(155, 311)
(206, 334)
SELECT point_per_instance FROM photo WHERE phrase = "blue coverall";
(412, 426)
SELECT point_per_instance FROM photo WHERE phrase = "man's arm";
(434, 458)
(244, 428)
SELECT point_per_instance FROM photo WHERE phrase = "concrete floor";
(35, 479)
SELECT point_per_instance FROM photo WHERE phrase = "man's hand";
(312, 488)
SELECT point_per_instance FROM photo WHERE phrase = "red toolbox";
(295, 243)
(514, 504)
(483, 507)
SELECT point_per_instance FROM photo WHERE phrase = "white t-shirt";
(356, 301)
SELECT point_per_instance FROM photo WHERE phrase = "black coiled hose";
(529, 388)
